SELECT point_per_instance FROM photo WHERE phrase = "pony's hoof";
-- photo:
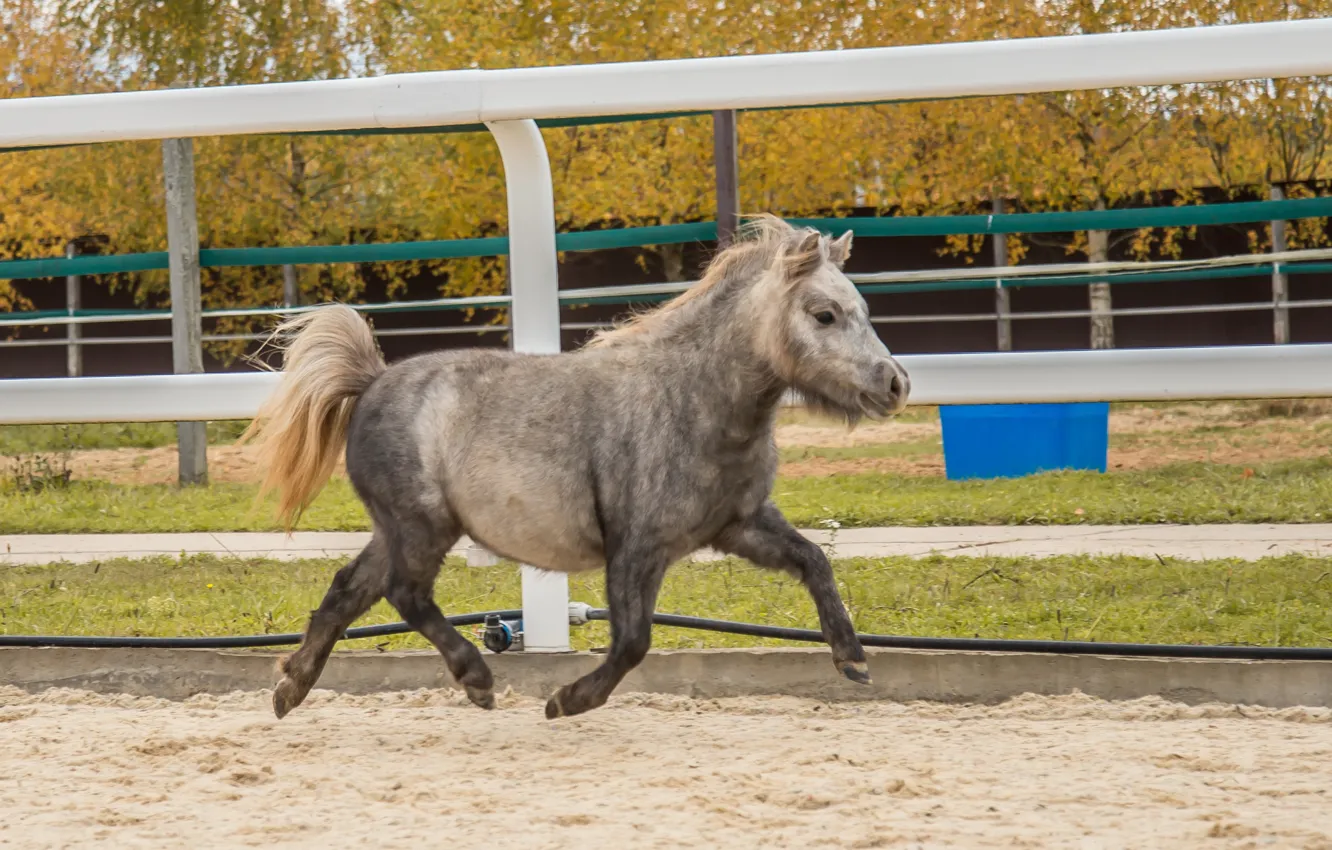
(856, 671)
(286, 696)
(483, 697)
(554, 708)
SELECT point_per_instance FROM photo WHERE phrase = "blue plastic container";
(1013, 440)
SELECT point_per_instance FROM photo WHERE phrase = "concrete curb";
(899, 675)
(1185, 542)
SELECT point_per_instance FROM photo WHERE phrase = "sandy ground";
(406, 770)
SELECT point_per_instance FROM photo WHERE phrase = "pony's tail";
(329, 360)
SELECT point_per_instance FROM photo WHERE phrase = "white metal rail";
(904, 319)
(437, 98)
(507, 101)
(1126, 374)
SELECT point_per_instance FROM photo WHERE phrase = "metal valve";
(501, 635)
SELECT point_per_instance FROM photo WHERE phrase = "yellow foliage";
(1060, 151)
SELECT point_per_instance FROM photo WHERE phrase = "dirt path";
(397, 770)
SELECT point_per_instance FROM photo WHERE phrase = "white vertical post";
(535, 320)
(186, 296)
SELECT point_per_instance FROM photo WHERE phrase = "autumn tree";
(1099, 148)
(1273, 133)
(1267, 135)
(253, 190)
(1080, 150)
(795, 162)
(36, 58)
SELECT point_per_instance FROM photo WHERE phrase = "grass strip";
(1297, 491)
(1284, 601)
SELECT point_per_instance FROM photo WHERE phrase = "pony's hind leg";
(355, 588)
(768, 540)
(414, 564)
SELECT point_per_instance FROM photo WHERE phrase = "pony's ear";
(804, 258)
(840, 250)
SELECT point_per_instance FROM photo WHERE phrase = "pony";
(652, 441)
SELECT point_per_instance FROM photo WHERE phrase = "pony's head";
(815, 331)
(781, 290)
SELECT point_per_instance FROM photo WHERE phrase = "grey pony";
(654, 440)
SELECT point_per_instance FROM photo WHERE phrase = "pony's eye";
(825, 317)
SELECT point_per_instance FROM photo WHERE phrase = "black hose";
(1057, 647)
(1048, 647)
(239, 641)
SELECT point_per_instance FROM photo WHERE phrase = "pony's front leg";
(768, 540)
(633, 578)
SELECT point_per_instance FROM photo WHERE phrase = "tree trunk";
(291, 286)
(73, 303)
(291, 276)
(672, 262)
(1102, 323)
(1280, 293)
(1002, 305)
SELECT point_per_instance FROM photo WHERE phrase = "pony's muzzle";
(893, 386)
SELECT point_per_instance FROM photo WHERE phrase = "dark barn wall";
(605, 268)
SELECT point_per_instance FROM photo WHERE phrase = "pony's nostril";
(896, 386)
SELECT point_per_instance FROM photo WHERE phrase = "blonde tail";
(329, 360)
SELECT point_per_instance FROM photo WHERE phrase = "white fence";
(1142, 374)
(508, 101)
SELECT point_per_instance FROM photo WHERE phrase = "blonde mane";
(760, 239)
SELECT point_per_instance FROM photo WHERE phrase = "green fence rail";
(594, 240)
(1197, 215)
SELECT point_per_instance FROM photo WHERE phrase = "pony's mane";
(760, 239)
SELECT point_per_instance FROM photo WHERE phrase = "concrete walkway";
(1194, 542)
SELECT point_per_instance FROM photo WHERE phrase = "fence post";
(186, 297)
(1280, 284)
(726, 164)
(534, 316)
(73, 303)
(1002, 304)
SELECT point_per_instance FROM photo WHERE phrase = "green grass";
(1283, 601)
(1291, 491)
(28, 439)
(1188, 493)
